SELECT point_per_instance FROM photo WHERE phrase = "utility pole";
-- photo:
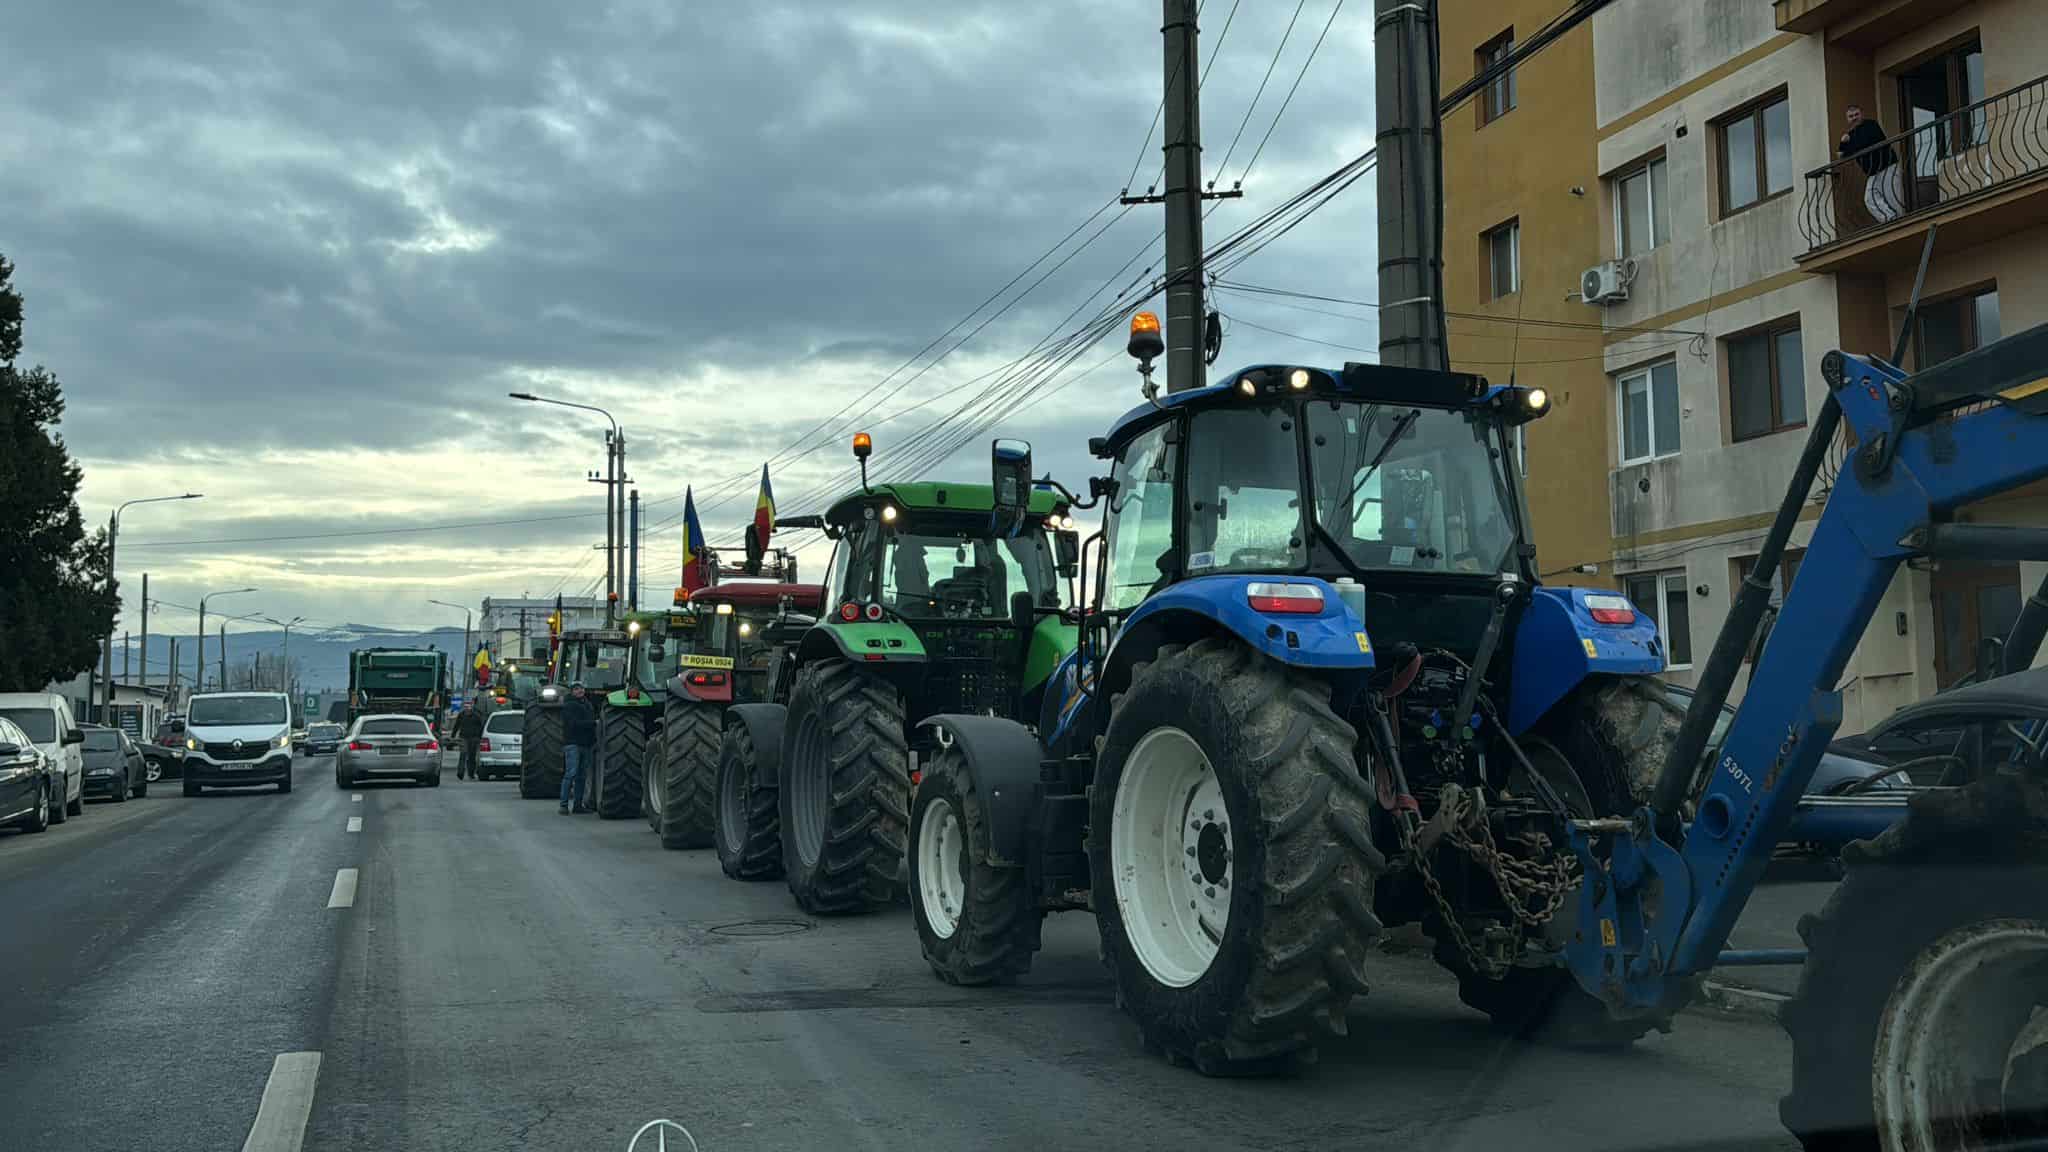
(144, 656)
(619, 511)
(1410, 185)
(127, 652)
(1183, 196)
(633, 552)
(223, 655)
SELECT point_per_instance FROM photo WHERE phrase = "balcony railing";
(1970, 153)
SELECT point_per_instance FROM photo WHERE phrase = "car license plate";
(393, 750)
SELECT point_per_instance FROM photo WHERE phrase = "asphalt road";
(505, 977)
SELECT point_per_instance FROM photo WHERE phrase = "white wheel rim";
(1950, 1043)
(941, 888)
(1171, 856)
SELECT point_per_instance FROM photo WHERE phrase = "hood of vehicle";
(229, 733)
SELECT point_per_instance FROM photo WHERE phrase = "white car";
(498, 753)
(46, 717)
(238, 739)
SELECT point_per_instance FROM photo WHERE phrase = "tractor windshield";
(604, 665)
(965, 576)
(649, 672)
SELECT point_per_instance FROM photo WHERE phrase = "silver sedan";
(388, 747)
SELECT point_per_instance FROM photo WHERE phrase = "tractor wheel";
(1232, 859)
(845, 792)
(540, 755)
(1915, 1022)
(978, 924)
(1601, 751)
(748, 834)
(621, 762)
(689, 774)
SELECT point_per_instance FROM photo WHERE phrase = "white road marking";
(355, 823)
(344, 894)
(287, 1103)
(355, 797)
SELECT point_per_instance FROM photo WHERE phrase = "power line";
(1249, 108)
(359, 532)
(1257, 152)
(1543, 37)
(1576, 324)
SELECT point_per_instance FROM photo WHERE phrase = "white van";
(238, 739)
(46, 717)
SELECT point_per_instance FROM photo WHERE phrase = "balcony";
(1981, 172)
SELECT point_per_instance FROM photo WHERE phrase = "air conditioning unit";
(1607, 283)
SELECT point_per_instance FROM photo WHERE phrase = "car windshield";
(226, 711)
(324, 731)
(391, 726)
(102, 740)
(507, 723)
(965, 576)
(39, 723)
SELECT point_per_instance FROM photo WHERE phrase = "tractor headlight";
(1298, 379)
(1538, 399)
(888, 513)
(746, 628)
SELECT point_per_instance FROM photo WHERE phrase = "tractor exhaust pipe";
(1681, 769)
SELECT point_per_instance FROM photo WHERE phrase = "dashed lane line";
(344, 894)
(355, 823)
(287, 1102)
(355, 797)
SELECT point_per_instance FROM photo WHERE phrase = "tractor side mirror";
(1010, 468)
(1066, 551)
(656, 653)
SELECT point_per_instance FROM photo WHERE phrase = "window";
(1642, 216)
(1497, 99)
(510, 723)
(1756, 154)
(392, 726)
(1504, 259)
(1945, 329)
(1139, 523)
(1649, 411)
(1766, 382)
(1662, 597)
(1933, 96)
(230, 710)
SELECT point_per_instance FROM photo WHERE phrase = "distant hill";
(320, 654)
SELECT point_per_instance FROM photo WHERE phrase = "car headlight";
(192, 743)
(284, 741)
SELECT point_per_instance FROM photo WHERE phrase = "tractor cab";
(747, 623)
(598, 657)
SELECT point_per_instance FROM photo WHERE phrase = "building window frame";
(1669, 585)
(1647, 169)
(1498, 97)
(1775, 384)
(1755, 113)
(1971, 326)
(1646, 373)
(1511, 230)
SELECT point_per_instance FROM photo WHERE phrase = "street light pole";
(199, 656)
(614, 507)
(287, 626)
(113, 537)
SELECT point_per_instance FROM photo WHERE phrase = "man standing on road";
(579, 740)
(469, 728)
(1883, 191)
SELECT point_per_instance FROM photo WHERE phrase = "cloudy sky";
(293, 255)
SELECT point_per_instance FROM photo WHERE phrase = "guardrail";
(1969, 153)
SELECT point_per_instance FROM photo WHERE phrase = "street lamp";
(614, 505)
(466, 618)
(199, 656)
(287, 626)
(113, 536)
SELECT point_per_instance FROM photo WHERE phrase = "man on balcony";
(1883, 193)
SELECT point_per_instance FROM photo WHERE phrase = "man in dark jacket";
(469, 728)
(1883, 193)
(579, 740)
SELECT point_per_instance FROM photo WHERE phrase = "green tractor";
(624, 677)
(728, 659)
(597, 658)
(933, 603)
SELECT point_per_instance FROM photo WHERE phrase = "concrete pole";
(199, 650)
(1411, 221)
(619, 511)
(145, 632)
(107, 677)
(223, 655)
(633, 551)
(1183, 199)
(611, 485)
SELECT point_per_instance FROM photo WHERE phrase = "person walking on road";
(579, 741)
(469, 728)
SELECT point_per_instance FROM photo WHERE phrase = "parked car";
(1841, 770)
(324, 739)
(28, 788)
(113, 764)
(497, 754)
(1963, 730)
(46, 718)
(389, 746)
(238, 739)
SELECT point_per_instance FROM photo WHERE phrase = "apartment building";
(1731, 246)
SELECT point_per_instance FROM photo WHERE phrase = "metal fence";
(1971, 152)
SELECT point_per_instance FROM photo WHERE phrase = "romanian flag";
(764, 510)
(693, 544)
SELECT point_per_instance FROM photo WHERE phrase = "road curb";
(1724, 998)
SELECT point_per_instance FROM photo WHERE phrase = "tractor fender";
(1003, 757)
(879, 642)
(1558, 644)
(763, 723)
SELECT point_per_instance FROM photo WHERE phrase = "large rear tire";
(1601, 751)
(621, 762)
(540, 755)
(687, 796)
(845, 793)
(1250, 976)
(748, 834)
(1876, 1060)
(977, 923)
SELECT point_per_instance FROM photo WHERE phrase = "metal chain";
(1521, 883)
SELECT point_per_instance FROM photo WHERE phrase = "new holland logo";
(661, 1129)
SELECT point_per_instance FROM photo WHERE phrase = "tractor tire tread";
(868, 788)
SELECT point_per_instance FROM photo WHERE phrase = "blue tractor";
(1319, 690)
